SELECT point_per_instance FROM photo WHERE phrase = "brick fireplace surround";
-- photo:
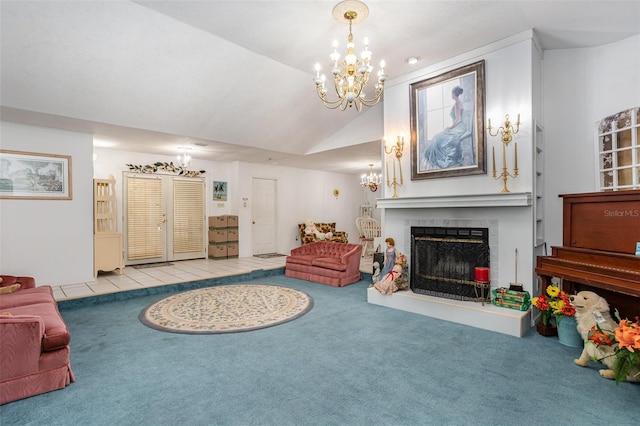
(508, 218)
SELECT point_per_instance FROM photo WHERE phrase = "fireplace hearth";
(444, 261)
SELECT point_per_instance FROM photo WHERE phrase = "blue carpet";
(346, 362)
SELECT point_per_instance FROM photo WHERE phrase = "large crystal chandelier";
(351, 75)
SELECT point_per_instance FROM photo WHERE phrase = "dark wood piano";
(599, 237)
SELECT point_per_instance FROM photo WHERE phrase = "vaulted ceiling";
(233, 79)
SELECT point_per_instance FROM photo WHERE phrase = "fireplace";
(443, 261)
(507, 218)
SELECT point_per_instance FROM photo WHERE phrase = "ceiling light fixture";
(351, 75)
(371, 181)
(412, 60)
(184, 159)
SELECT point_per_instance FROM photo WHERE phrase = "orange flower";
(599, 337)
(628, 335)
(626, 345)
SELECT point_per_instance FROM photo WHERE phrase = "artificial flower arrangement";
(554, 302)
(625, 340)
(165, 167)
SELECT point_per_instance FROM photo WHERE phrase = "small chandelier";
(371, 181)
(351, 75)
(184, 159)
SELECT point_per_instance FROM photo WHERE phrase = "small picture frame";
(219, 191)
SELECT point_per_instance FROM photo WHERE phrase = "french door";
(164, 218)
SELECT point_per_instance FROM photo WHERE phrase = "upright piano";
(598, 253)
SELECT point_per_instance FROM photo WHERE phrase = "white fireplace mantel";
(507, 227)
(509, 199)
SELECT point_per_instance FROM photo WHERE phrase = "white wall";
(508, 90)
(582, 86)
(366, 127)
(114, 162)
(50, 240)
(508, 75)
(579, 88)
(301, 194)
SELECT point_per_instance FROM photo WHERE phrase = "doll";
(389, 257)
(393, 280)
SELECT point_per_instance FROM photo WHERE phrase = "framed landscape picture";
(30, 175)
(447, 124)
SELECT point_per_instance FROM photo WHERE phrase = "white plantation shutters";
(144, 218)
(188, 218)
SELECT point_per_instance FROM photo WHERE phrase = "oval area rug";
(226, 309)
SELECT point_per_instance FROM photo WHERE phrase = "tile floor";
(179, 271)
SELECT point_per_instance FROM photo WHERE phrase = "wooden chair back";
(370, 228)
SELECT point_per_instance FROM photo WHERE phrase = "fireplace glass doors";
(443, 261)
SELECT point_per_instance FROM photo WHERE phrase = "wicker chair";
(369, 230)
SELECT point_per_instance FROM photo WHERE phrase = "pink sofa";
(35, 341)
(325, 262)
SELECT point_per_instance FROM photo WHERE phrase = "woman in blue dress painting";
(444, 150)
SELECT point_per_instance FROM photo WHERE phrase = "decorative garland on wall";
(165, 167)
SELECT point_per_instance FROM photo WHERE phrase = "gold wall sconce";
(506, 131)
(397, 179)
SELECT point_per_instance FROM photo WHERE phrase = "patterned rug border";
(143, 319)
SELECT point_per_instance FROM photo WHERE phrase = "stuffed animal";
(9, 289)
(310, 229)
(592, 311)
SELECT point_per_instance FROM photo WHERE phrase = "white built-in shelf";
(539, 184)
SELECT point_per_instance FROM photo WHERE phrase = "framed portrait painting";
(447, 124)
(30, 175)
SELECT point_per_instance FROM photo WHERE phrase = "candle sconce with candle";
(397, 148)
(507, 131)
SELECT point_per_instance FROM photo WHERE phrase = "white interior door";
(264, 216)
